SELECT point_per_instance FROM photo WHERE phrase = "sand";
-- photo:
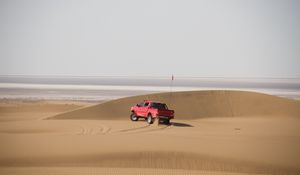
(215, 132)
(195, 105)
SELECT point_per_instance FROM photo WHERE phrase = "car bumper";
(165, 117)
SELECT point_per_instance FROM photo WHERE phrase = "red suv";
(151, 110)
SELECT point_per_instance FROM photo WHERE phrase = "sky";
(196, 38)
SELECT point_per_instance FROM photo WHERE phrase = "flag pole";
(171, 89)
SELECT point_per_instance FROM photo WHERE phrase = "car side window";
(166, 107)
(146, 104)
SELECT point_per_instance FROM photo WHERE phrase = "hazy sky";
(234, 38)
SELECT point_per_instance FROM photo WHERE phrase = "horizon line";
(144, 76)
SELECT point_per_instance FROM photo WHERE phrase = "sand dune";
(229, 145)
(35, 109)
(196, 104)
(206, 137)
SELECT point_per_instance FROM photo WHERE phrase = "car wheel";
(133, 117)
(149, 119)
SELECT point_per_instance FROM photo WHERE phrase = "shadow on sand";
(177, 124)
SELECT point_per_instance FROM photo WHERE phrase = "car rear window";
(159, 106)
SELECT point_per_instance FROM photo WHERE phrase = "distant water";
(106, 88)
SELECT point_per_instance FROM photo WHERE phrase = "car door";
(144, 109)
(139, 109)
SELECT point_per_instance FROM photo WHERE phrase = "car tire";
(149, 119)
(134, 117)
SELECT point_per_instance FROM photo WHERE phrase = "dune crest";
(195, 104)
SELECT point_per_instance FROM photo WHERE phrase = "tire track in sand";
(94, 130)
(144, 129)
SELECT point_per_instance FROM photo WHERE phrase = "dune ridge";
(195, 105)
